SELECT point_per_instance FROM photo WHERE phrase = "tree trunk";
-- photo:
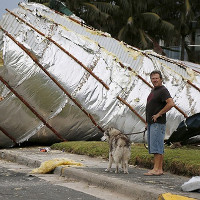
(182, 47)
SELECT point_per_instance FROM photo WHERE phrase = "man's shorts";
(155, 138)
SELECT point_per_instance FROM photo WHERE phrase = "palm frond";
(151, 17)
(130, 21)
(103, 16)
(125, 5)
(106, 7)
(92, 8)
(132, 25)
(143, 41)
(140, 6)
(187, 7)
(95, 14)
(122, 33)
(150, 20)
(39, 1)
(167, 27)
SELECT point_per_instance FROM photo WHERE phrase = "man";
(159, 102)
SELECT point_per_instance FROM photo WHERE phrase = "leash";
(146, 147)
(136, 132)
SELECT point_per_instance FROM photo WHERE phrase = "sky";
(9, 4)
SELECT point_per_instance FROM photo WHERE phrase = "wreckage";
(63, 80)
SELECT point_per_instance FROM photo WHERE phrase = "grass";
(182, 161)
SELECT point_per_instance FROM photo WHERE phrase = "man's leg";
(158, 164)
(156, 144)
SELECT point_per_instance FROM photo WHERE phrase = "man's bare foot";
(153, 172)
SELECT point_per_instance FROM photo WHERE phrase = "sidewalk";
(133, 184)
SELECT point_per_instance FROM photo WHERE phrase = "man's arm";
(168, 106)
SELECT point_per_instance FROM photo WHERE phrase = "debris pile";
(62, 80)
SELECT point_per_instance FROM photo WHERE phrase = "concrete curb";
(20, 159)
(130, 189)
(139, 192)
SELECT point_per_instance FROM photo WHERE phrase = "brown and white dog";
(119, 149)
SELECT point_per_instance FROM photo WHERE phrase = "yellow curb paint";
(169, 196)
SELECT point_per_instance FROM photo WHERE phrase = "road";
(17, 183)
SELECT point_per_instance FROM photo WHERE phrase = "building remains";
(62, 80)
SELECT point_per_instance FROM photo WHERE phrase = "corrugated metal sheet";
(61, 80)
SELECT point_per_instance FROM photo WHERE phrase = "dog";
(119, 149)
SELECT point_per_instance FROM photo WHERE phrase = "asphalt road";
(21, 186)
(17, 183)
(91, 178)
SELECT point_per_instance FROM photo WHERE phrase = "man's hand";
(155, 117)
(168, 106)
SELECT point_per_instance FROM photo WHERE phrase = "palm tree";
(45, 2)
(144, 25)
(140, 23)
(129, 20)
(183, 14)
(135, 22)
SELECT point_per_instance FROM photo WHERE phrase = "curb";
(113, 184)
(20, 159)
(139, 192)
(169, 196)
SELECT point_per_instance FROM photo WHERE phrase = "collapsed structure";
(62, 80)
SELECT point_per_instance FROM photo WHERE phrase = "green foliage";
(183, 161)
(141, 23)
(92, 149)
(39, 1)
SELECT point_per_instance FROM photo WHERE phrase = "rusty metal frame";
(51, 77)
(80, 63)
(31, 108)
(97, 78)
(172, 61)
(88, 70)
(146, 55)
(197, 88)
(130, 107)
(64, 50)
(7, 134)
(147, 83)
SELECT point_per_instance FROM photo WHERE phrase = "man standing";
(159, 102)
